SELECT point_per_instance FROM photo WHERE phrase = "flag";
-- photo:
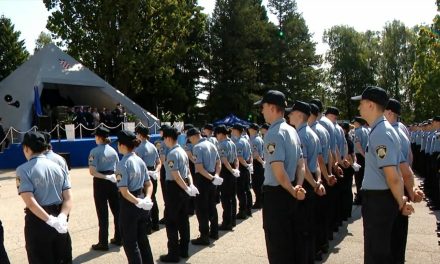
(37, 103)
(64, 64)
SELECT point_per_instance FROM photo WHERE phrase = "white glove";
(236, 173)
(264, 164)
(194, 190)
(356, 166)
(217, 180)
(148, 204)
(57, 224)
(152, 174)
(250, 168)
(111, 178)
(190, 191)
(140, 203)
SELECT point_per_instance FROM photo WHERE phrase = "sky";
(30, 16)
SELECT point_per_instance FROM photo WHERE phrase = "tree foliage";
(42, 40)
(12, 50)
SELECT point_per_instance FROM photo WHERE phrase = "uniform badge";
(381, 151)
(17, 181)
(222, 152)
(270, 148)
(171, 164)
(118, 177)
(91, 158)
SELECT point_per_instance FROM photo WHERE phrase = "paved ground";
(244, 245)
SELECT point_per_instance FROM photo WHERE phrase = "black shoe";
(100, 247)
(162, 222)
(438, 234)
(201, 241)
(242, 215)
(169, 258)
(213, 236)
(116, 242)
(225, 227)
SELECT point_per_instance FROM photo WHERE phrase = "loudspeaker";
(44, 123)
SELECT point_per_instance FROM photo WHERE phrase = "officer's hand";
(194, 190)
(345, 163)
(264, 164)
(236, 173)
(148, 204)
(251, 168)
(300, 193)
(331, 180)
(152, 174)
(217, 180)
(111, 178)
(55, 223)
(407, 209)
(320, 190)
(140, 203)
(418, 195)
(356, 166)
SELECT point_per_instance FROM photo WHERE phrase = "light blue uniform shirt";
(429, 142)
(330, 127)
(361, 136)
(424, 138)
(45, 179)
(243, 148)
(181, 139)
(324, 139)
(228, 150)
(404, 142)
(310, 146)
(257, 145)
(161, 148)
(148, 153)
(205, 153)
(103, 157)
(281, 144)
(131, 172)
(213, 140)
(341, 141)
(436, 142)
(419, 138)
(177, 160)
(57, 159)
(383, 150)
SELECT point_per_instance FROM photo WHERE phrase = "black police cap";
(359, 119)
(192, 132)
(254, 126)
(314, 109)
(164, 127)
(188, 126)
(299, 106)
(273, 97)
(375, 94)
(318, 103)
(221, 129)
(265, 126)
(170, 132)
(144, 131)
(34, 140)
(345, 125)
(125, 137)
(209, 127)
(394, 106)
(102, 132)
(238, 127)
(332, 110)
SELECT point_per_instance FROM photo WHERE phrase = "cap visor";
(288, 110)
(259, 102)
(357, 98)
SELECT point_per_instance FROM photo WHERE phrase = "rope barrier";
(6, 136)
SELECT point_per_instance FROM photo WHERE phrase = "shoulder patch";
(118, 177)
(381, 151)
(91, 158)
(17, 181)
(222, 152)
(271, 148)
(171, 164)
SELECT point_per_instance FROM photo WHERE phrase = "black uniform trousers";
(379, 212)
(176, 219)
(257, 182)
(306, 226)
(244, 194)
(191, 201)
(279, 219)
(43, 243)
(228, 190)
(346, 193)
(133, 226)
(359, 175)
(104, 192)
(154, 213)
(205, 204)
(3, 255)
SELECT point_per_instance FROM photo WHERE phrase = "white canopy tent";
(51, 68)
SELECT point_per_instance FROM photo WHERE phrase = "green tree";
(42, 40)
(12, 50)
(349, 71)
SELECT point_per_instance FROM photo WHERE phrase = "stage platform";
(77, 151)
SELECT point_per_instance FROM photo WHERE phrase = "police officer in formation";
(45, 189)
(135, 199)
(244, 156)
(52, 155)
(102, 165)
(229, 172)
(360, 147)
(206, 179)
(208, 130)
(382, 188)
(149, 154)
(283, 177)
(257, 146)
(179, 187)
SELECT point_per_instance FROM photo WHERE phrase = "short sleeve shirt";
(227, 149)
(310, 146)
(103, 157)
(177, 160)
(131, 172)
(148, 153)
(205, 153)
(324, 139)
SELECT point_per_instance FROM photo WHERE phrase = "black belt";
(138, 193)
(377, 192)
(184, 179)
(269, 188)
(151, 168)
(107, 172)
(54, 209)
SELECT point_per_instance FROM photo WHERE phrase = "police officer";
(263, 129)
(163, 152)
(135, 199)
(257, 144)
(208, 130)
(347, 181)
(382, 189)
(45, 189)
(149, 154)
(229, 173)
(245, 166)
(52, 155)
(102, 165)
(360, 146)
(298, 116)
(188, 149)
(179, 188)
(207, 167)
(284, 168)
